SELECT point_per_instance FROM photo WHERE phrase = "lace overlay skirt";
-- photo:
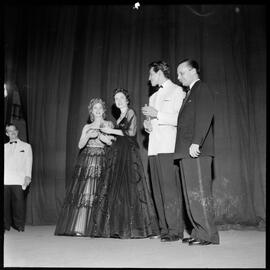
(77, 207)
(123, 207)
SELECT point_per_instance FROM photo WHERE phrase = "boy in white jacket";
(18, 160)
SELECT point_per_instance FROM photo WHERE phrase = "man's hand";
(194, 150)
(27, 181)
(149, 111)
(147, 125)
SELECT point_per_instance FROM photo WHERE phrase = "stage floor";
(37, 246)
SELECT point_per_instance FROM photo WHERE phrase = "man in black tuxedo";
(195, 150)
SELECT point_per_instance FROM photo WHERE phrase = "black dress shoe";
(170, 238)
(188, 239)
(198, 242)
(19, 228)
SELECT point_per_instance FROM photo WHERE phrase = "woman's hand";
(107, 130)
(108, 139)
(92, 133)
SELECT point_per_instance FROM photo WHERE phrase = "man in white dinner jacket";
(17, 176)
(161, 124)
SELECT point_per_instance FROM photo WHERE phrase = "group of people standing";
(109, 195)
(181, 150)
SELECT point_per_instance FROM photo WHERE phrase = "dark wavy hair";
(124, 91)
(92, 103)
(161, 65)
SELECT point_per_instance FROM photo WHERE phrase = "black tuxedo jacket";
(196, 122)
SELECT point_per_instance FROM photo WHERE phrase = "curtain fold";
(49, 68)
(74, 53)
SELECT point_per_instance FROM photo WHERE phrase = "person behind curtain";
(77, 207)
(194, 151)
(18, 159)
(123, 207)
(161, 121)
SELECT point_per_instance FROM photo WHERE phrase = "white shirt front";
(168, 101)
(17, 162)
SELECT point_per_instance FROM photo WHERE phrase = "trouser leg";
(18, 206)
(171, 194)
(197, 188)
(7, 207)
(157, 193)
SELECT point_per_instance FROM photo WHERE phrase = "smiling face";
(98, 110)
(12, 133)
(121, 101)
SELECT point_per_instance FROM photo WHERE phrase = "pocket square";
(22, 151)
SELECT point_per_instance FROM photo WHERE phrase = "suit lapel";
(190, 94)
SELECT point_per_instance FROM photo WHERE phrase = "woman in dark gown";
(76, 211)
(123, 207)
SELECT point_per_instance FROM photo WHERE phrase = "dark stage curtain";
(70, 54)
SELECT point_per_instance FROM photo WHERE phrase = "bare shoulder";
(86, 126)
(130, 112)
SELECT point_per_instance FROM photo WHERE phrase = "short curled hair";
(124, 91)
(161, 65)
(92, 103)
(11, 125)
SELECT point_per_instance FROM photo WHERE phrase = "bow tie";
(13, 142)
(160, 86)
(187, 89)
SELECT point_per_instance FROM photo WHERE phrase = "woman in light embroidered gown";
(76, 211)
(123, 207)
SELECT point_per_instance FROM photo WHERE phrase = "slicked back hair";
(10, 125)
(191, 63)
(161, 65)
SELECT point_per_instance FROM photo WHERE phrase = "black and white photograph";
(134, 135)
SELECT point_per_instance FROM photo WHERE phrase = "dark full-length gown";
(76, 210)
(123, 207)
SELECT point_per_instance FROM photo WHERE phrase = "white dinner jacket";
(17, 162)
(168, 101)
